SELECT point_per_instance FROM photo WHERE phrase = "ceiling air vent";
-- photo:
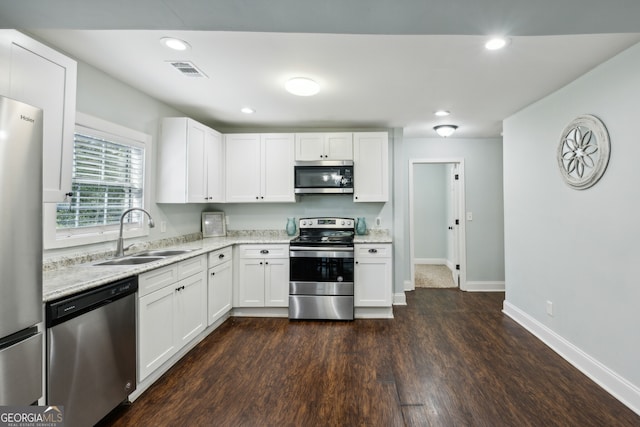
(187, 68)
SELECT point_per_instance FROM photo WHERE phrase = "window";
(108, 177)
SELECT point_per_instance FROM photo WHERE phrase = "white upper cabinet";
(33, 73)
(371, 167)
(324, 146)
(190, 163)
(259, 168)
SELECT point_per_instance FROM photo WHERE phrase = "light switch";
(469, 216)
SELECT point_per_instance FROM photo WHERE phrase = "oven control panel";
(327, 223)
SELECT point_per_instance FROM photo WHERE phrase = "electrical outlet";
(469, 216)
(163, 226)
(549, 308)
(378, 222)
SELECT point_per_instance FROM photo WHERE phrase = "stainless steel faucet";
(120, 244)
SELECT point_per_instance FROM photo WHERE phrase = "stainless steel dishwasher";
(91, 351)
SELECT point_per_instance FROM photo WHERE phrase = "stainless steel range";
(321, 270)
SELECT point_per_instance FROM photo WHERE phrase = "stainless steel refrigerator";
(21, 345)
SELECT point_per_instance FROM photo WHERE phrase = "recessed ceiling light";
(302, 86)
(496, 43)
(247, 110)
(442, 113)
(175, 44)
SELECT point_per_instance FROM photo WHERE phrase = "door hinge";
(457, 266)
(457, 222)
(456, 177)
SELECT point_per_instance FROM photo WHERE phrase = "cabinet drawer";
(264, 251)
(220, 256)
(157, 279)
(373, 251)
(192, 266)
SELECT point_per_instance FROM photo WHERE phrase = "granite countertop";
(69, 280)
(65, 281)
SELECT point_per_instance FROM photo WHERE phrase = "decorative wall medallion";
(583, 152)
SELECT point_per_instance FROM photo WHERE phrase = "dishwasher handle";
(67, 308)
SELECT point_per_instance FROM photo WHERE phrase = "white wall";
(483, 195)
(579, 249)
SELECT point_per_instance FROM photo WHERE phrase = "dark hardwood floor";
(449, 358)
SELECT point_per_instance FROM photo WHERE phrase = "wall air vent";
(187, 68)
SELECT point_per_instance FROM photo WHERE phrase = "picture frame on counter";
(213, 224)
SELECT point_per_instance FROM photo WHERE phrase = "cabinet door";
(309, 146)
(44, 78)
(196, 163)
(276, 286)
(156, 333)
(371, 167)
(372, 282)
(215, 166)
(277, 168)
(339, 146)
(191, 308)
(243, 168)
(220, 291)
(251, 283)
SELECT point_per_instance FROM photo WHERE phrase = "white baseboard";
(399, 298)
(373, 313)
(408, 286)
(476, 286)
(617, 386)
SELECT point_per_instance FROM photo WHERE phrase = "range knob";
(304, 222)
(342, 223)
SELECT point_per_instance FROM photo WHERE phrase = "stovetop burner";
(325, 231)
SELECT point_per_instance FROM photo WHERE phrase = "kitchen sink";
(131, 260)
(161, 253)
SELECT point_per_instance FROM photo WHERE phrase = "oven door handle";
(321, 253)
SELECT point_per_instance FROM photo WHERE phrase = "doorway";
(436, 217)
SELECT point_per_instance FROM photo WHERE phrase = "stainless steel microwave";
(323, 177)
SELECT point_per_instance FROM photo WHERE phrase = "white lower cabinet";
(172, 310)
(373, 275)
(220, 284)
(263, 276)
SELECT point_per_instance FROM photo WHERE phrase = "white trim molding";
(614, 384)
(477, 286)
(400, 298)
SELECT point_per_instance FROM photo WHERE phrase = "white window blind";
(108, 178)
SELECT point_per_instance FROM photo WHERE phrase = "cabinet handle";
(356, 197)
(357, 262)
(213, 274)
(373, 251)
(257, 197)
(260, 262)
(221, 256)
(179, 288)
(266, 263)
(264, 251)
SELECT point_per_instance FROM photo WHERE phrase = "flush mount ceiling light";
(496, 43)
(175, 44)
(442, 113)
(247, 110)
(302, 86)
(445, 130)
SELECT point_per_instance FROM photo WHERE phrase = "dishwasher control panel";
(66, 308)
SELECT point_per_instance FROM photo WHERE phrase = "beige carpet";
(433, 276)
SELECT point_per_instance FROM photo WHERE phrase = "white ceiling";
(429, 56)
